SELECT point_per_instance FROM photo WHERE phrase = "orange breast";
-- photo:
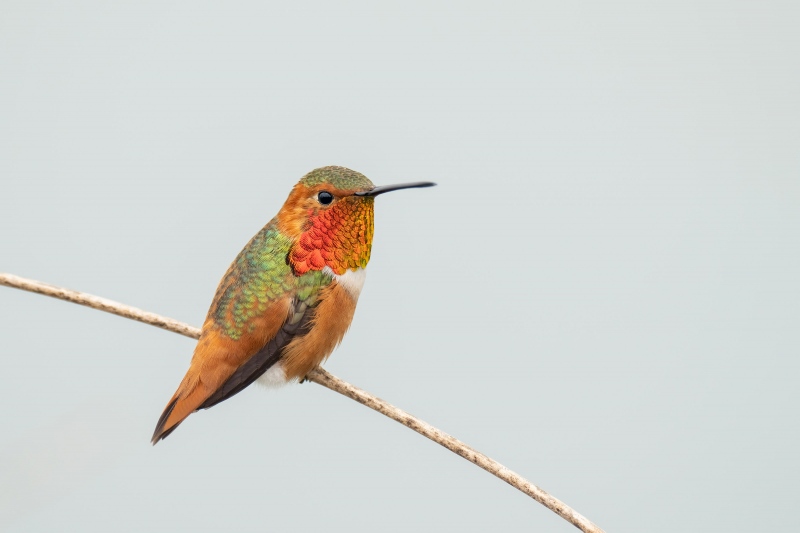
(331, 321)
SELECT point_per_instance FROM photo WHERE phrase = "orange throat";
(339, 238)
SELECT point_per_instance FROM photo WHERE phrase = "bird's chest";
(351, 281)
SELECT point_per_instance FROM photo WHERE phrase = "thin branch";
(103, 304)
(326, 379)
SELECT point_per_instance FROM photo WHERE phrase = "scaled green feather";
(258, 276)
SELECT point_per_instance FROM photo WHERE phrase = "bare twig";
(326, 379)
(95, 302)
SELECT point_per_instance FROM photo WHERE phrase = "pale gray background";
(602, 292)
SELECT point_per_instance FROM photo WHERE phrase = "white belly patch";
(274, 377)
(352, 280)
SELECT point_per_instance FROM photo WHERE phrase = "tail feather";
(162, 431)
(179, 407)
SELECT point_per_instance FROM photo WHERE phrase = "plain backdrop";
(602, 292)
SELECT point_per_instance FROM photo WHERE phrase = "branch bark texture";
(328, 380)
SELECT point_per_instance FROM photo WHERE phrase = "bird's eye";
(325, 197)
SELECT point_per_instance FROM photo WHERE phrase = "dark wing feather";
(298, 323)
(163, 420)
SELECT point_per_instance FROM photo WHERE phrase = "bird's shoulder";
(260, 277)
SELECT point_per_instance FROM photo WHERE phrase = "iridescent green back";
(257, 277)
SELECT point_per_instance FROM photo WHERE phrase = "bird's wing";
(217, 358)
(297, 324)
(259, 307)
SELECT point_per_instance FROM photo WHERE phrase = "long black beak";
(389, 188)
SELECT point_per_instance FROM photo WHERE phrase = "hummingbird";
(288, 298)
